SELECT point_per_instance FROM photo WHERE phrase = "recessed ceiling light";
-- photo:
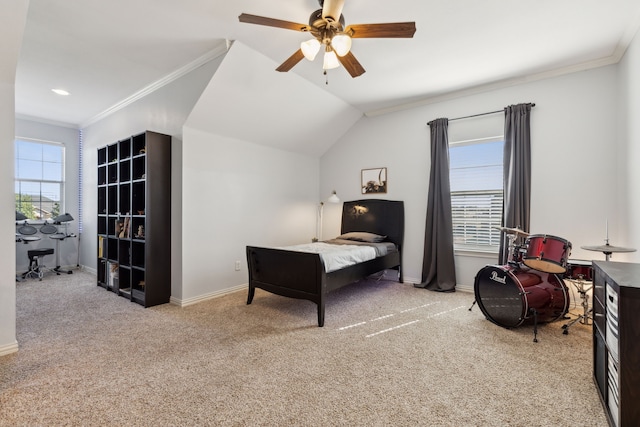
(60, 92)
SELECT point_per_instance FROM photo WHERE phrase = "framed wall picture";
(374, 181)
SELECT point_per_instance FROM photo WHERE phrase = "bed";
(302, 275)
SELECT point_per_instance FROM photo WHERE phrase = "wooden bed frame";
(302, 275)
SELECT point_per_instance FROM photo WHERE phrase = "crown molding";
(221, 49)
(46, 121)
(621, 48)
(613, 59)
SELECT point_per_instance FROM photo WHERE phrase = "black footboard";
(288, 273)
(301, 275)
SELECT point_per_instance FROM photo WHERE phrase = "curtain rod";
(478, 115)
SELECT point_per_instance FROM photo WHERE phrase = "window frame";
(19, 182)
(493, 234)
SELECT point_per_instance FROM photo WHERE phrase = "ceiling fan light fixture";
(341, 44)
(330, 60)
(310, 48)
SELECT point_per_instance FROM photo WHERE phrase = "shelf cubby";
(102, 225)
(138, 198)
(139, 167)
(112, 249)
(124, 148)
(102, 156)
(112, 153)
(125, 170)
(112, 200)
(102, 175)
(102, 200)
(125, 199)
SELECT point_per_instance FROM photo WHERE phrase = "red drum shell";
(547, 253)
(510, 295)
(579, 270)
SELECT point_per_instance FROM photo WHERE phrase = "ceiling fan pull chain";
(326, 77)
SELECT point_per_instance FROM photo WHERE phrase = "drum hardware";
(535, 325)
(515, 231)
(514, 255)
(64, 220)
(587, 313)
(26, 240)
(607, 249)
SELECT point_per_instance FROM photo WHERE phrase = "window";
(476, 193)
(39, 180)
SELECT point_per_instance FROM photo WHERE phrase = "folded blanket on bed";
(338, 253)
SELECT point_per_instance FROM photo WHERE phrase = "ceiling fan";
(327, 26)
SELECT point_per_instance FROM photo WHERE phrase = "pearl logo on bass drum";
(496, 278)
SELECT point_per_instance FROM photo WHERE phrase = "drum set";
(530, 287)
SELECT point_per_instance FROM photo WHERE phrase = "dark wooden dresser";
(616, 340)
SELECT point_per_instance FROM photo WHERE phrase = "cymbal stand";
(57, 238)
(587, 313)
(511, 254)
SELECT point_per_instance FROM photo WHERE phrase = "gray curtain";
(517, 172)
(438, 268)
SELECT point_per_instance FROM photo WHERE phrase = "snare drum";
(579, 270)
(547, 253)
(510, 296)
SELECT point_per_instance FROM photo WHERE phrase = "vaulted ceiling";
(103, 52)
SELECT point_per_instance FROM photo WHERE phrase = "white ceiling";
(103, 52)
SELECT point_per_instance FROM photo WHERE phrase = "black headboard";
(384, 217)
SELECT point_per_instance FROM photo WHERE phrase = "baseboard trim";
(9, 349)
(464, 288)
(459, 287)
(190, 301)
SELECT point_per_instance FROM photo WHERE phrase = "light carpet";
(388, 355)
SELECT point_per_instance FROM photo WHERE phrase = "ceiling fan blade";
(291, 61)
(388, 30)
(351, 64)
(271, 22)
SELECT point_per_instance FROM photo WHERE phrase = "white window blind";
(476, 177)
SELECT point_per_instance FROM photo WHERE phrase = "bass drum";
(510, 295)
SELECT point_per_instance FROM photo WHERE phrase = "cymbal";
(516, 231)
(607, 248)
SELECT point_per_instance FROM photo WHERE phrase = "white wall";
(12, 22)
(236, 193)
(68, 248)
(8, 342)
(574, 161)
(629, 172)
(163, 111)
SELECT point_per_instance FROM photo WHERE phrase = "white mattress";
(337, 256)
